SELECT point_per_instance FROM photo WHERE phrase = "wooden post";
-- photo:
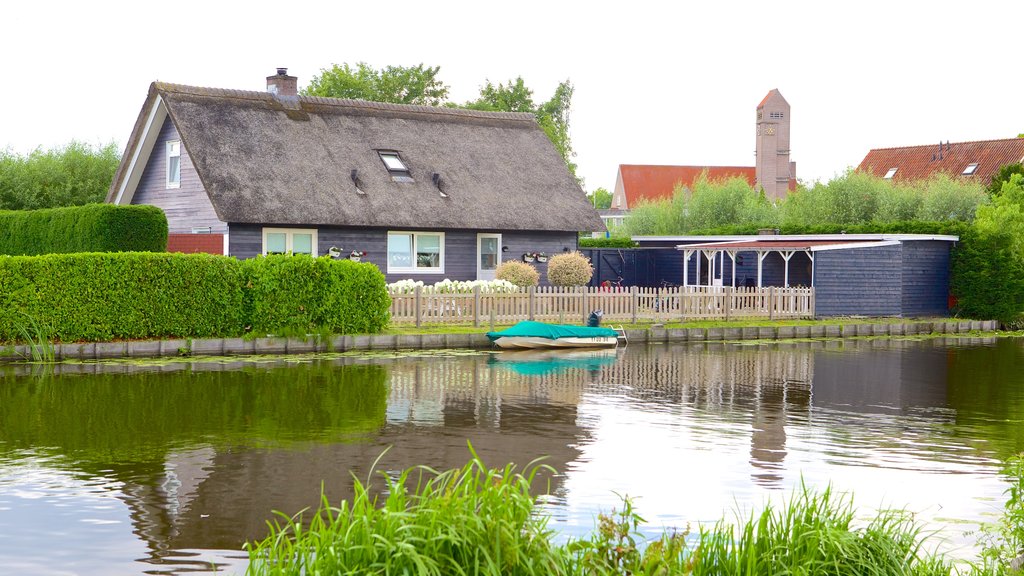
(476, 306)
(584, 304)
(531, 291)
(492, 318)
(417, 306)
(771, 303)
(728, 302)
(635, 301)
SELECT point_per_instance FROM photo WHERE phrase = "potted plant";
(334, 252)
(356, 255)
(529, 257)
(540, 256)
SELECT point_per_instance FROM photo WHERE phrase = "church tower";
(773, 170)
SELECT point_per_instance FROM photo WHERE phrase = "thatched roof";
(289, 160)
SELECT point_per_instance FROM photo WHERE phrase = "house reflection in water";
(204, 453)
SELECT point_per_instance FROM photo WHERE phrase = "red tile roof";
(646, 182)
(919, 162)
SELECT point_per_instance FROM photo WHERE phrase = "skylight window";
(890, 173)
(971, 169)
(394, 162)
(396, 166)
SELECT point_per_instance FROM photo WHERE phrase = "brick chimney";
(281, 84)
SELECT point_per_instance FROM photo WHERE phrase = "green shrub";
(296, 294)
(89, 228)
(518, 273)
(69, 175)
(132, 295)
(607, 243)
(570, 269)
(123, 295)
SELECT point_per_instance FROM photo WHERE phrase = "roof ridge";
(342, 102)
(952, 143)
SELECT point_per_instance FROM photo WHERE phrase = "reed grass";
(472, 520)
(37, 337)
(481, 521)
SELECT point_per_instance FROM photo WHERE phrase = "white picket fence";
(574, 305)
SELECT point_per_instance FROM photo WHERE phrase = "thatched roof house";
(253, 170)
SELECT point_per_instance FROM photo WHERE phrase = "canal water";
(169, 467)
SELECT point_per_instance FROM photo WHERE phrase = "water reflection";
(198, 455)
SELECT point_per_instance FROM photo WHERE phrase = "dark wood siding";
(861, 281)
(187, 206)
(246, 241)
(926, 278)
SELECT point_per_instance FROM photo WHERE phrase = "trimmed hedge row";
(132, 295)
(89, 228)
(613, 242)
(288, 293)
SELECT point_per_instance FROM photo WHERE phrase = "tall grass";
(472, 520)
(482, 521)
(37, 337)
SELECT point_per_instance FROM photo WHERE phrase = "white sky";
(656, 82)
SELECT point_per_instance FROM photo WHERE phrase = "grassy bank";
(482, 521)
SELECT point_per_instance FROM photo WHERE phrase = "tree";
(996, 186)
(420, 85)
(395, 84)
(552, 115)
(988, 266)
(601, 198)
(69, 175)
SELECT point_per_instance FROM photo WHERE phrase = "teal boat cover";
(552, 365)
(529, 329)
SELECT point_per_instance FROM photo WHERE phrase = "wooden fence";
(574, 305)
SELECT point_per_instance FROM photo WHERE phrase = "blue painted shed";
(903, 275)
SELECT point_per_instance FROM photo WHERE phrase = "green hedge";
(134, 295)
(607, 243)
(285, 294)
(89, 228)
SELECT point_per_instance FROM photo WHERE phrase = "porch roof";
(783, 245)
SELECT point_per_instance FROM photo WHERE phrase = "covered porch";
(758, 263)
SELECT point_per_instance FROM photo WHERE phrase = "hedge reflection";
(120, 418)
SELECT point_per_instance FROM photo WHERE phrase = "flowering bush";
(447, 286)
(571, 269)
(518, 273)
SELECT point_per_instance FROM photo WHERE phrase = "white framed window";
(173, 163)
(890, 173)
(971, 169)
(416, 252)
(289, 241)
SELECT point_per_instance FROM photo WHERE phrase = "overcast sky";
(656, 83)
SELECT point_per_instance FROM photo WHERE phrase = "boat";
(530, 334)
(545, 361)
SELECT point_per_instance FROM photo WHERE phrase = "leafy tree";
(395, 84)
(69, 175)
(513, 97)
(552, 115)
(1003, 176)
(420, 85)
(988, 266)
(601, 198)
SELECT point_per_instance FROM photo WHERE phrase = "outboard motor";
(595, 318)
